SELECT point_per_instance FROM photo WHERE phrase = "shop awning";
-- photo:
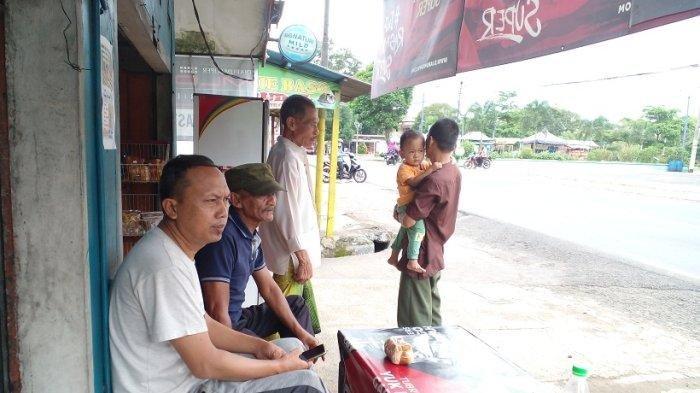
(349, 86)
(236, 28)
(428, 40)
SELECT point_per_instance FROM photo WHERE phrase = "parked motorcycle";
(476, 162)
(351, 170)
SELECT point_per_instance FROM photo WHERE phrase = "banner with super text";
(425, 40)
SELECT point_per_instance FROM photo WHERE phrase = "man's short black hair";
(173, 180)
(294, 106)
(444, 132)
(408, 136)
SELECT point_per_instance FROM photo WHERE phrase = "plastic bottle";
(578, 382)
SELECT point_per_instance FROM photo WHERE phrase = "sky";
(670, 51)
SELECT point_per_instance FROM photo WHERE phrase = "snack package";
(131, 223)
(398, 350)
(155, 167)
(137, 170)
(150, 220)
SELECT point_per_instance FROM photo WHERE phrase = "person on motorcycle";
(480, 155)
(477, 159)
(392, 154)
(409, 175)
(344, 163)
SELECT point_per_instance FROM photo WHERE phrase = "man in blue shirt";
(224, 267)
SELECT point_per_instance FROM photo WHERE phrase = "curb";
(356, 242)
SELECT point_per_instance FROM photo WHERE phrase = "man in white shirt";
(291, 242)
(161, 339)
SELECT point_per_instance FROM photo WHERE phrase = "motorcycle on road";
(477, 161)
(392, 157)
(351, 170)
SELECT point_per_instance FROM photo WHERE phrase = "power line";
(211, 54)
(614, 77)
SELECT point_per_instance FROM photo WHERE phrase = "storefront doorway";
(145, 112)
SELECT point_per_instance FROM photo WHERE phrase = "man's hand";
(309, 340)
(292, 361)
(304, 271)
(268, 351)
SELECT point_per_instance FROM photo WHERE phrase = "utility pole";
(422, 114)
(694, 149)
(459, 104)
(685, 123)
(324, 45)
(459, 98)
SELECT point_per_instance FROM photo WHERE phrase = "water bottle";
(577, 383)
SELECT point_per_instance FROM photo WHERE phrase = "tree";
(341, 60)
(497, 118)
(633, 131)
(536, 116)
(596, 129)
(347, 123)
(664, 125)
(432, 113)
(383, 114)
(344, 62)
(483, 118)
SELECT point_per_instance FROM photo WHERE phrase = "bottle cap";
(579, 371)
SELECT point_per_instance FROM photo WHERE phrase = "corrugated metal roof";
(544, 138)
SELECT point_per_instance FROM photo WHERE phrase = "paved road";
(640, 213)
(539, 300)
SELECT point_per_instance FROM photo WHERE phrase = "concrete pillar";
(46, 133)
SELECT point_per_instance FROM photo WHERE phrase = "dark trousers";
(261, 320)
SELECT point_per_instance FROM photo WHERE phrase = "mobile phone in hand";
(313, 353)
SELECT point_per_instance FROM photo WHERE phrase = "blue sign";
(298, 44)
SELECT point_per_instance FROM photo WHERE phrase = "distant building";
(406, 125)
(544, 141)
(375, 144)
(579, 149)
(479, 139)
(506, 144)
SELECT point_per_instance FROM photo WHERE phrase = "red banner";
(422, 42)
(497, 32)
(419, 43)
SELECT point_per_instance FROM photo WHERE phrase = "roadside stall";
(280, 78)
(544, 141)
(443, 359)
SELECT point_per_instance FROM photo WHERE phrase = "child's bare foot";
(394, 258)
(414, 266)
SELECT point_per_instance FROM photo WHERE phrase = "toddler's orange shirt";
(404, 173)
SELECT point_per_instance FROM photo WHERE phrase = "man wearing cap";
(224, 267)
